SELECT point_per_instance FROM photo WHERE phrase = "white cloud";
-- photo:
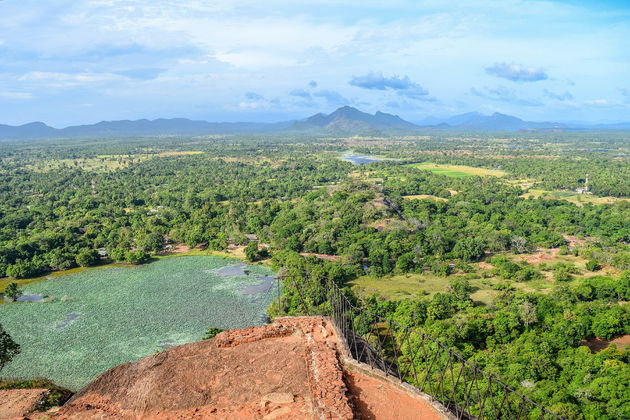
(604, 103)
(214, 52)
(517, 72)
(16, 95)
(68, 79)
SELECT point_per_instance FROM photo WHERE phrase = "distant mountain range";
(344, 121)
(127, 128)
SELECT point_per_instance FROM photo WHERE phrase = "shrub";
(24, 269)
(251, 251)
(87, 257)
(593, 265)
(8, 348)
(137, 257)
(469, 249)
(12, 291)
(610, 323)
(527, 273)
(211, 333)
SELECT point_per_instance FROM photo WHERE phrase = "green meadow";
(457, 171)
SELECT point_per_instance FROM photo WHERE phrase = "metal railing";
(405, 354)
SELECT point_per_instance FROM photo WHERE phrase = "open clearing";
(571, 197)
(457, 171)
(424, 197)
(411, 286)
(104, 162)
(414, 285)
(95, 319)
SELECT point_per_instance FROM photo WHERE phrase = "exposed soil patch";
(178, 249)
(597, 344)
(16, 403)
(374, 399)
(202, 380)
(326, 257)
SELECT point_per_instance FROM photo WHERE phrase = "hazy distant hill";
(126, 128)
(344, 121)
(498, 122)
(26, 131)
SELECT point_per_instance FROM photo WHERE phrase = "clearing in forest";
(457, 171)
(484, 282)
(571, 197)
(424, 197)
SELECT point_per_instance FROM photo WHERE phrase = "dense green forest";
(457, 257)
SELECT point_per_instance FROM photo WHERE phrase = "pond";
(357, 159)
(90, 321)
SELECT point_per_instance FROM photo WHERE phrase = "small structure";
(585, 189)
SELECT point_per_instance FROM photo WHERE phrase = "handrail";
(408, 355)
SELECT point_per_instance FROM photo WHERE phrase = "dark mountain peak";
(350, 119)
(350, 113)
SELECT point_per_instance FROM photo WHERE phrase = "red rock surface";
(16, 403)
(292, 369)
(375, 399)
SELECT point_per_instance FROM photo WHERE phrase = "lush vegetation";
(452, 238)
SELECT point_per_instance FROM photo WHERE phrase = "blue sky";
(76, 62)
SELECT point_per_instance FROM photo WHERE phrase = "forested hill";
(349, 119)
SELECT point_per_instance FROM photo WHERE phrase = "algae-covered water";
(96, 319)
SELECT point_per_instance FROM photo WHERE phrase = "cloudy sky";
(76, 62)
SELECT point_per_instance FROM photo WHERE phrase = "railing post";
(278, 292)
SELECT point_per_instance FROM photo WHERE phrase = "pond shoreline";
(181, 250)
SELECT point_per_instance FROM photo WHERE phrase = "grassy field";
(457, 171)
(103, 162)
(423, 197)
(411, 285)
(571, 197)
